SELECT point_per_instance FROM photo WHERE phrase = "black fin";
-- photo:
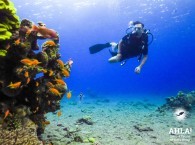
(98, 47)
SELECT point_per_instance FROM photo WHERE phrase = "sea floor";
(102, 121)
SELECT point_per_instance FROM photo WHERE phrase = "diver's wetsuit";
(132, 46)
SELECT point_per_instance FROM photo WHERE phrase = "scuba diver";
(133, 44)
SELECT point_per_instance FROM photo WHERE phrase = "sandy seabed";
(117, 122)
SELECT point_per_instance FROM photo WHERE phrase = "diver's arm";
(143, 61)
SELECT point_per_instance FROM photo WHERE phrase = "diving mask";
(137, 29)
(134, 29)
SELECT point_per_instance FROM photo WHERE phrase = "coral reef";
(9, 20)
(31, 83)
(182, 100)
(25, 135)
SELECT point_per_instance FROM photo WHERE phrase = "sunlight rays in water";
(82, 11)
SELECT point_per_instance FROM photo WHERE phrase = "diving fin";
(98, 47)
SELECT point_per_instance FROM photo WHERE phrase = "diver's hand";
(137, 69)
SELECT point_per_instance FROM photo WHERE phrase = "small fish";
(28, 81)
(6, 114)
(26, 61)
(44, 71)
(50, 85)
(60, 81)
(69, 94)
(51, 72)
(81, 96)
(46, 122)
(29, 62)
(61, 63)
(19, 70)
(65, 72)
(59, 113)
(37, 84)
(15, 85)
(35, 62)
(55, 92)
(180, 113)
(70, 62)
(26, 74)
(17, 42)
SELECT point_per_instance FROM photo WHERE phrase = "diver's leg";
(116, 58)
(113, 49)
(113, 45)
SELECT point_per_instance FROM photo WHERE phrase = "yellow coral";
(9, 20)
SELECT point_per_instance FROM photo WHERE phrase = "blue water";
(82, 23)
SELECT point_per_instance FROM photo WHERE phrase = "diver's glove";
(138, 70)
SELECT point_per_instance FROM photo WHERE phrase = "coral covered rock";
(25, 135)
(9, 20)
(182, 100)
(31, 84)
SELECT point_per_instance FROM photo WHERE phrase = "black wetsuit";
(133, 46)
